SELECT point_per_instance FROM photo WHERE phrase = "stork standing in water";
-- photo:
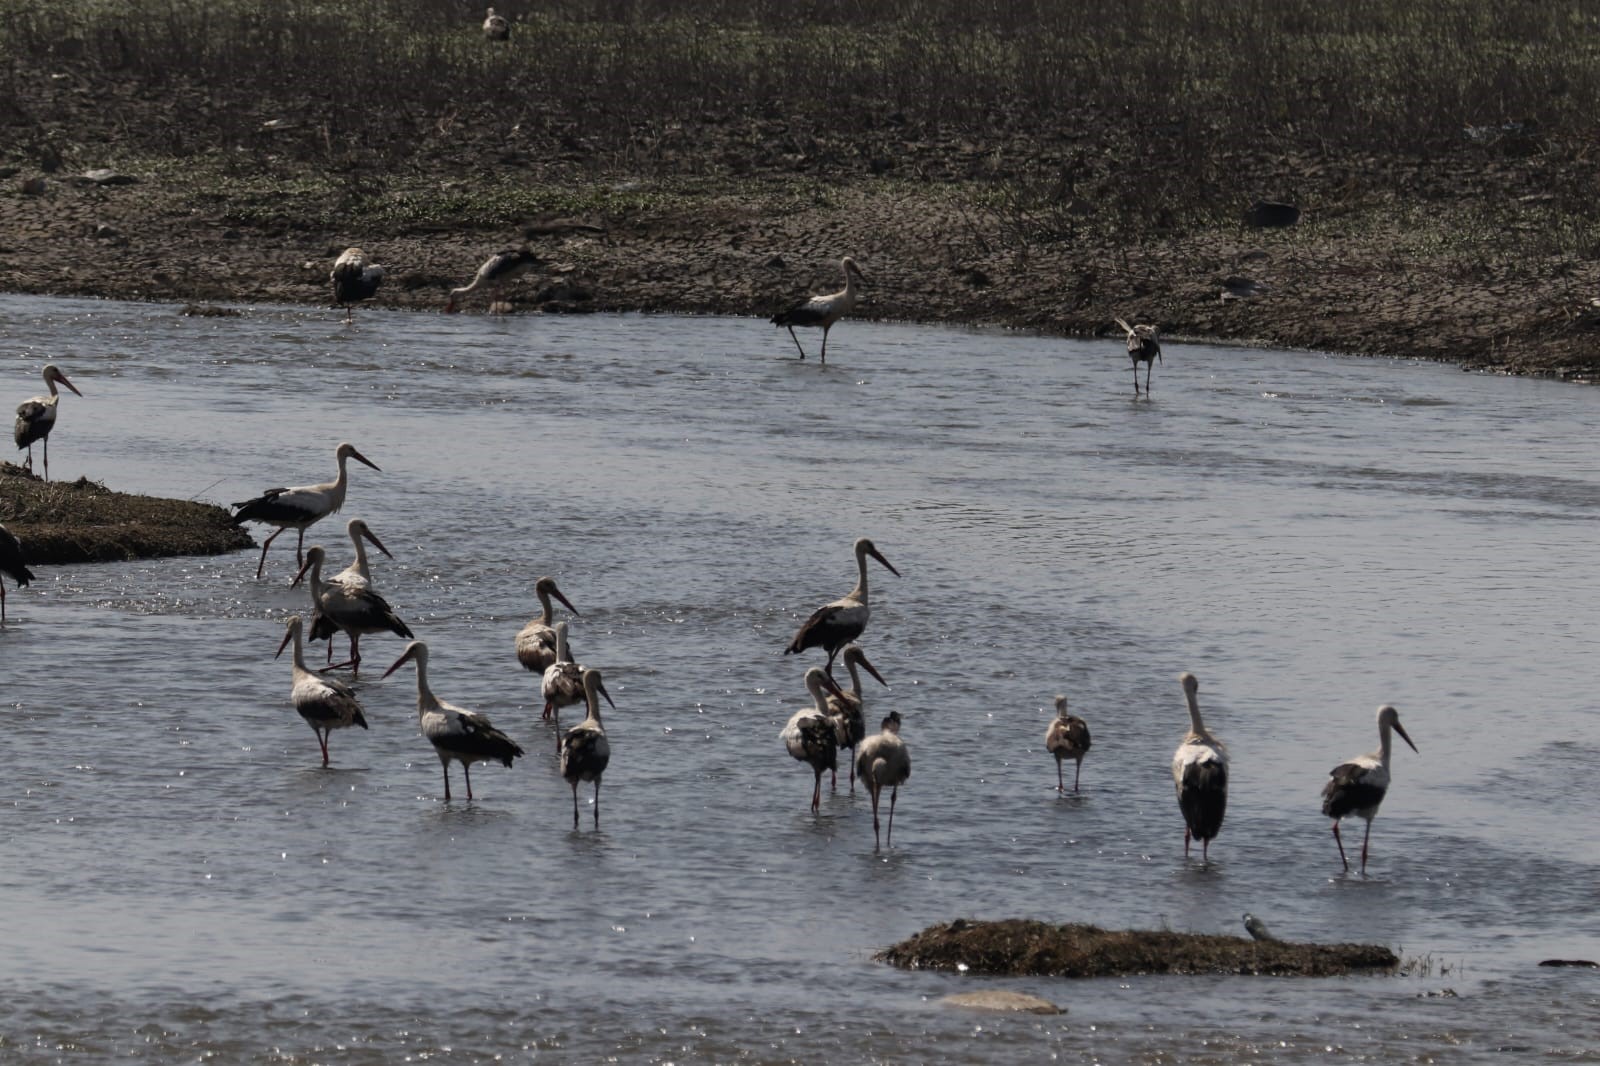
(536, 641)
(809, 734)
(325, 704)
(300, 507)
(845, 709)
(1358, 786)
(496, 272)
(836, 624)
(585, 751)
(823, 311)
(354, 280)
(1200, 772)
(455, 732)
(355, 609)
(358, 575)
(1143, 347)
(562, 685)
(1067, 738)
(37, 417)
(883, 761)
(496, 27)
(11, 566)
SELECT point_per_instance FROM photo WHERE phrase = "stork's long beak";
(63, 379)
(568, 605)
(1398, 728)
(357, 455)
(833, 686)
(376, 543)
(286, 638)
(876, 554)
(872, 670)
(601, 688)
(296, 582)
(398, 663)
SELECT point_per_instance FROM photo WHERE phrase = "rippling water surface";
(1312, 536)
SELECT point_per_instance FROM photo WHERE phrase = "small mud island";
(62, 522)
(1018, 947)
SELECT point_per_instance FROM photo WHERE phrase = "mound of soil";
(1017, 947)
(82, 521)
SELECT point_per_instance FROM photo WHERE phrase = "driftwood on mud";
(84, 522)
(1018, 947)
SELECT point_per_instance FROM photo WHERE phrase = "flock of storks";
(348, 602)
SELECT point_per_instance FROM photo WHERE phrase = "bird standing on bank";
(809, 734)
(1067, 738)
(1200, 772)
(1143, 347)
(883, 761)
(455, 732)
(301, 507)
(585, 750)
(496, 272)
(354, 280)
(11, 565)
(324, 703)
(823, 311)
(496, 27)
(836, 624)
(37, 417)
(1358, 786)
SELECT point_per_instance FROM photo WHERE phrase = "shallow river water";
(1312, 536)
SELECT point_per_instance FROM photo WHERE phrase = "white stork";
(823, 311)
(845, 709)
(836, 624)
(1143, 347)
(325, 704)
(37, 417)
(585, 751)
(496, 27)
(536, 641)
(355, 609)
(354, 280)
(455, 732)
(1200, 772)
(11, 565)
(300, 507)
(1358, 786)
(358, 575)
(562, 685)
(1067, 738)
(810, 735)
(883, 760)
(495, 273)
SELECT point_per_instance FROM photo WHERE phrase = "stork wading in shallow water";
(355, 609)
(496, 27)
(1200, 772)
(536, 641)
(836, 624)
(11, 565)
(823, 311)
(1067, 738)
(496, 272)
(882, 762)
(1143, 347)
(37, 417)
(562, 684)
(810, 735)
(1358, 786)
(354, 280)
(325, 704)
(846, 709)
(358, 575)
(300, 507)
(585, 750)
(455, 732)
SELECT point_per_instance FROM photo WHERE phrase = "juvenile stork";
(1142, 348)
(37, 417)
(11, 565)
(536, 641)
(823, 311)
(845, 709)
(496, 27)
(1358, 786)
(883, 760)
(325, 704)
(496, 272)
(1200, 772)
(1067, 738)
(354, 280)
(585, 751)
(836, 624)
(455, 732)
(300, 507)
(809, 734)
(358, 575)
(562, 685)
(355, 609)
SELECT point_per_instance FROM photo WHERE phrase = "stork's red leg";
(791, 337)
(262, 565)
(1337, 840)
